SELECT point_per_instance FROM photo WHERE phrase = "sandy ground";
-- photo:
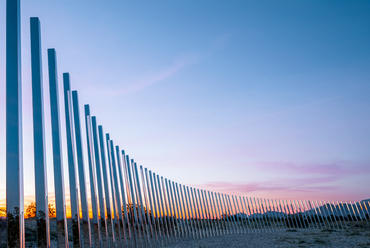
(355, 236)
(295, 238)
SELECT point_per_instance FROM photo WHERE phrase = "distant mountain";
(357, 210)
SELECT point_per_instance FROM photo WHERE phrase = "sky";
(257, 98)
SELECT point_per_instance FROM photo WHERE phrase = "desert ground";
(357, 235)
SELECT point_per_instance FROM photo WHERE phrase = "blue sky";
(257, 98)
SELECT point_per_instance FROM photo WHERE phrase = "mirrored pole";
(178, 213)
(170, 210)
(196, 212)
(102, 197)
(75, 205)
(175, 211)
(138, 204)
(210, 214)
(182, 211)
(201, 213)
(92, 175)
(121, 181)
(145, 226)
(241, 215)
(157, 211)
(107, 199)
(336, 214)
(247, 211)
(153, 208)
(116, 224)
(120, 222)
(187, 212)
(149, 209)
(86, 234)
(251, 216)
(164, 211)
(160, 209)
(192, 212)
(41, 191)
(218, 226)
(62, 231)
(136, 225)
(342, 211)
(130, 206)
(14, 154)
(310, 214)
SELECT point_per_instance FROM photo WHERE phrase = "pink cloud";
(336, 168)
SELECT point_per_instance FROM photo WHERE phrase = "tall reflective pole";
(149, 209)
(117, 232)
(158, 212)
(62, 231)
(14, 153)
(190, 211)
(106, 187)
(75, 209)
(120, 221)
(81, 172)
(99, 178)
(120, 170)
(92, 175)
(153, 208)
(41, 191)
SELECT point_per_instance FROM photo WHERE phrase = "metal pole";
(130, 206)
(123, 195)
(235, 217)
(185, 217)
(134, 210)
(116, 222)
(192, 211)
(336, 214)
(196, 212)
(209, 212)
(242, 229)
(344, 217)
(227, 210)
(282, 216)
(155, 202)
(310, 213)
(262, 216)
(92, 173)
(186, 208)
(148, 210)
(251, 210)
(75, 209)
(248, 212)
(62, 231)
(168, 208)
(102, 205)
(154, 214)
(220, 214)
(206, 212)
(297, 214)
(165, 211)
(141, 205)
(14, 152)
(160, 211)
(107, 199)
(81, 173)
(177, 203)
(41, 191)
(201, 212)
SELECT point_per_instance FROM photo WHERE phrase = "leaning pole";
(14, 155)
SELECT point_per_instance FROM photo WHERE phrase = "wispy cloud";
(179, 64)
(335, 168)
(285, 186)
